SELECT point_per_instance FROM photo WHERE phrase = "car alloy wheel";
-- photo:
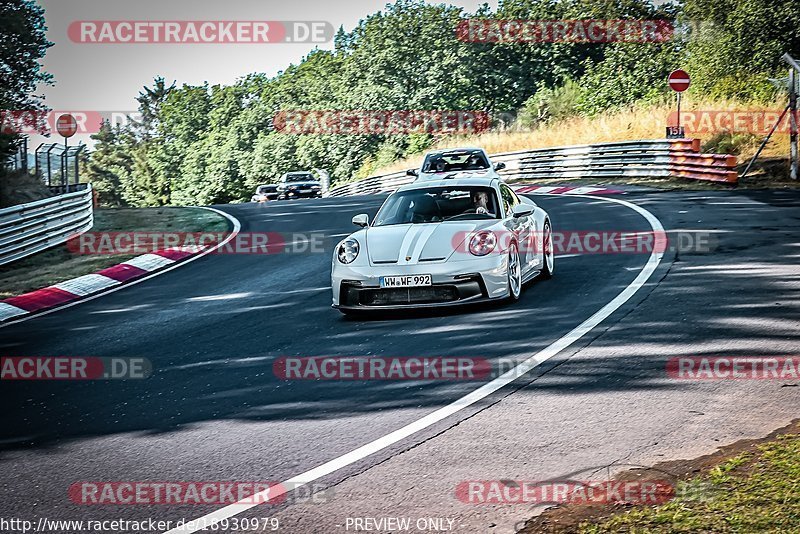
(548, 259)
(514, 272)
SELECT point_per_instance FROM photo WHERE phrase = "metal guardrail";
(30, 228)
(646, 158)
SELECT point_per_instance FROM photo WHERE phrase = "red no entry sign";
(679, 80)
(66, 125)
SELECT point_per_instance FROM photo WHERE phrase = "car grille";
(466, 287)
(407, 295)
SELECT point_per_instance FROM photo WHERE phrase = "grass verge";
(750, 486)
(58, 264)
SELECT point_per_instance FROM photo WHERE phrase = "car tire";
(514, 271)
(548, 258)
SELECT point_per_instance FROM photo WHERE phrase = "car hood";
(409, 244)
(457, 175)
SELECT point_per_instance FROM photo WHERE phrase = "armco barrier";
(29, 228)
(656, 158)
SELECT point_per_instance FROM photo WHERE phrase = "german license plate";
(411, 280)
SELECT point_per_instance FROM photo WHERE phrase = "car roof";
(455, 149)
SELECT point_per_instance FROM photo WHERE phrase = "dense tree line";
(22, 44)
(210, 144)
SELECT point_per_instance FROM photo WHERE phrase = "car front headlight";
(348, 251)
(482, 243)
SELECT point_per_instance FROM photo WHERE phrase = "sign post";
(794, 164)
(66, 126)
(678, 81)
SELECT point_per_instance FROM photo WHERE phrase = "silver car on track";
(457, 234)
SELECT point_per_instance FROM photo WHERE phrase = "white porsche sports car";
(457, 234)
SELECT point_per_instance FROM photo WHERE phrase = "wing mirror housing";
(499, 166)
(361, 220)
(412, 172)
(521, 210)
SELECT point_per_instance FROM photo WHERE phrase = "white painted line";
(149, 262)
(86, 284)
(211, 298)
(7, 311)
(237, 226)
(454, 407)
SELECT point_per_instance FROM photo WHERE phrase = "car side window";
(509, 198)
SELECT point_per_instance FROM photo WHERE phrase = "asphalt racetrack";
(214, 409)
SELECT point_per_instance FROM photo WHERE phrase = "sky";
(108, 77)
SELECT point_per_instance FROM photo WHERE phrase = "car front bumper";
(453, 283)
(300, 194)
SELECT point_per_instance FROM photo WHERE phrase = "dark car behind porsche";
(299, 185)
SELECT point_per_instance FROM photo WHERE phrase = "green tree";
(629, 73)
(150, 100)
(23, 44)
(108, 165)
(735, 45)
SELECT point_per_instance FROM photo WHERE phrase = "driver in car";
(481, 202)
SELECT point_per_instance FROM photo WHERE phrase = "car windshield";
(456, 160)
(438, 204)
(307, 177)
(265, 189)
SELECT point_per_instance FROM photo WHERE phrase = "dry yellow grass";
(640, 122)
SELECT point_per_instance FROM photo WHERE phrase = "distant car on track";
(457, 234)
(299, 184)
(265, 192)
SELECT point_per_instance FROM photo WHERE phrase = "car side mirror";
(361, 220)
(499, 166)
(412, 172)
(521, 210)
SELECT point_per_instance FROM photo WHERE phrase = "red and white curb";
(89, 284)
(109, 279)
(564, 190)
